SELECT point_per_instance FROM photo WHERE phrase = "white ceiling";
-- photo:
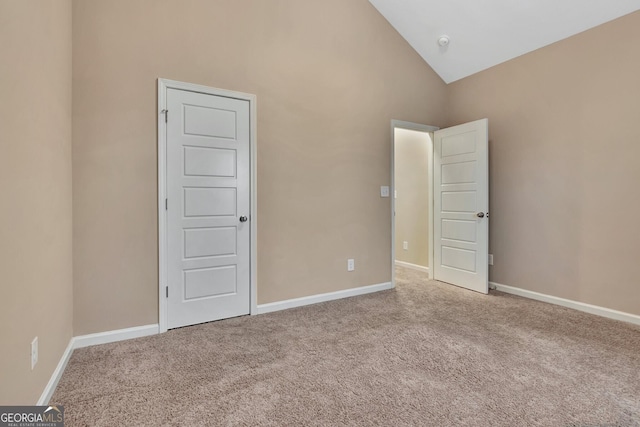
(484, 33)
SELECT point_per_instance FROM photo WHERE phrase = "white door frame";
(399, 124)
(163, 85)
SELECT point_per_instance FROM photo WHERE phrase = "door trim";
(163, 86)
(400, 124)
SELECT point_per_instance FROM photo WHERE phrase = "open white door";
(461, 205)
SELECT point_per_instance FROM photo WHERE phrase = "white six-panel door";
(461, 203)
(208, 201)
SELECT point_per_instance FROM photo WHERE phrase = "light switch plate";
(384, 191)
(490, 259)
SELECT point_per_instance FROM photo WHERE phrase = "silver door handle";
(480, 214)
(243, 219)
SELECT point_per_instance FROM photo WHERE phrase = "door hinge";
(167, 291)
(166, 204)
(166, 115)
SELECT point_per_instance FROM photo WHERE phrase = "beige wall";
(329, 77)
(565, 165)
(35, 189)
(411, 156)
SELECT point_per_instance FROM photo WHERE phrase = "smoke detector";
(443, 41)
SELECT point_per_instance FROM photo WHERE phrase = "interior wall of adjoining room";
(411, 193)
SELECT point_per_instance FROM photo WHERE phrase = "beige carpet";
(424, 354)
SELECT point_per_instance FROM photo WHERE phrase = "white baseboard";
(86, 341)
(89, 340)
(314, 299)
(412, 266)
(55, 377)
(576, 305)
(113, 336)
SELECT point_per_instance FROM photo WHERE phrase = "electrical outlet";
(384, 191)
(34, 352)
(405, 245)
(351, 265)
(490, 259)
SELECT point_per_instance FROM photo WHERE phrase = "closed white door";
(208, 201)
(461, 204)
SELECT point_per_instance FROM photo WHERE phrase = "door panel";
(208, 190)
(459, 173)
(209, 121)
(203, 242)
(209, 201)
(202, 161)
(207, 282)
(455, 229)
(457, 258)
(459, 201)
(461, 191)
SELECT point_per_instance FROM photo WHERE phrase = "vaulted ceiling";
(484, 33)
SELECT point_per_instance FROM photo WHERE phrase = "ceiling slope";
(488, 32)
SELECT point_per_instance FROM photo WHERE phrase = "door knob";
(243, 219)
(480, 214)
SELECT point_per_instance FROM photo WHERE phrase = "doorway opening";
(411, 196)
(455, 192)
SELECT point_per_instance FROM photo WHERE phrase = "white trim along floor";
(141, 331)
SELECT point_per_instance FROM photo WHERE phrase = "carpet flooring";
(423, 354)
